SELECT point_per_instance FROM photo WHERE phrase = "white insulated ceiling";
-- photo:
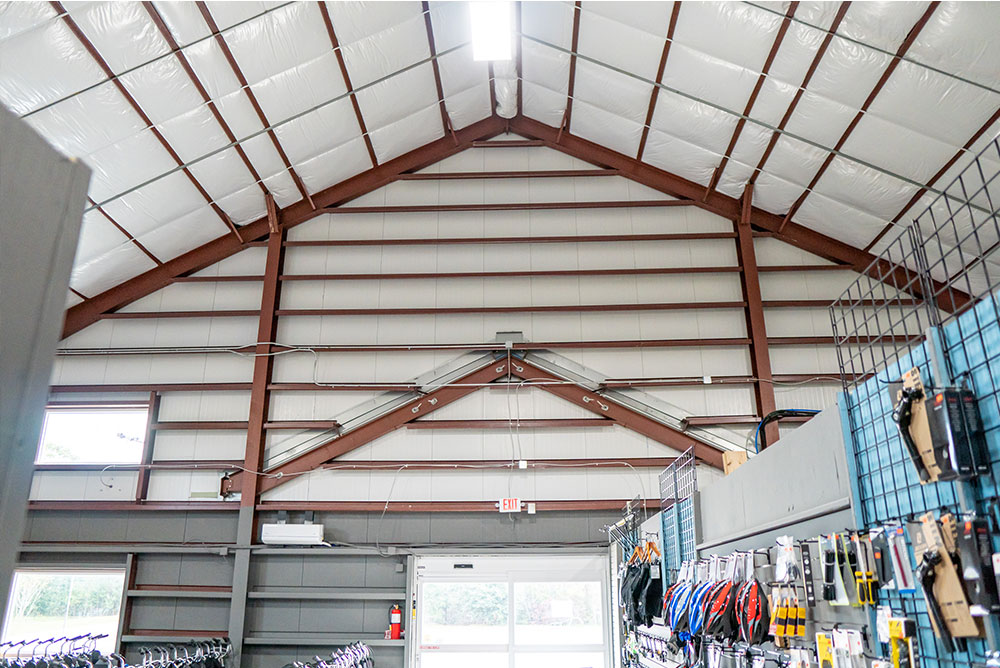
(182, 143)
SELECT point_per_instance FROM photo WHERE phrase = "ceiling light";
(491, 30)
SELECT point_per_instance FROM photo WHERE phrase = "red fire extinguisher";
(395, 622)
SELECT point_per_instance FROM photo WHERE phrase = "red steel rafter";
(575, 41)
(138, 244)
(718, 203)
(841, 12)
(154, 14)
(347, 82)
(231, 59)
(903, 48)
(623, 415)
(103, 64)
(779, 38)
(445, 119)
(81, 315)
(675, 12)
(416, 408)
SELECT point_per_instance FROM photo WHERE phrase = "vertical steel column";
(760, 357)
(256, 437)
(142, 478)
(125, 618)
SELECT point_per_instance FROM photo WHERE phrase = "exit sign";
(510, 505)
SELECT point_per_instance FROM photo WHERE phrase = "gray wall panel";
(272, 616)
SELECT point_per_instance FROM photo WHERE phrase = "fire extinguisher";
(395, 622)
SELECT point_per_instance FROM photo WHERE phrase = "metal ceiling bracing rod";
(81, 315)
(738, 115)
(911, 37)
(718, 203)
(103, 64)
(779, 38)
(268, 129)
(245, 86)
(325, 12)
(820, 52)
(674, 13)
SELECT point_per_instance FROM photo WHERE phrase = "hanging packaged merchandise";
(824, 650)
(865, 581)
(834, 590)
(807, 573)
(902, 633)
(849, 569)
(848, 649)
(879, 542)
(939, 579)
(942, 430)
(899, 557)
(786, 568)
(975, 556)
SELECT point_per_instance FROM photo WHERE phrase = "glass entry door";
(537, 611)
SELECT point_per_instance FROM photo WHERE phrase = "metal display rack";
(678, 484)
(928, 301)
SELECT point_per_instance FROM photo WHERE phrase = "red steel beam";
(523, 174)
(903, 48)
(127, 234)
(163, 464)
(509, 206)
(207, 425)
(518, 58)
(86, 506)
(150, 387)
(723, 205)
(231, 59)
(146, 458)
(779, 38)
(103, 64)
(343, 443)
(571, 84)
(154, 14)
(934, 179)
(445, 120)
(77, 292)
(512, 274)
(760, 357)
(626, 417)
(435, 310)
(443, 506)
(507, 143)
(347, 81)
(81, 315)
(649, 271)
(560, 239)
(775, 135)
(459, 464)
(263, 365)
(558, 423)
(675, 12)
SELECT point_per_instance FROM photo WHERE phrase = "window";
(93, 434)
(512, 611)
(56, 603)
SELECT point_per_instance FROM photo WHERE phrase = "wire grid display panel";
(678, 483)
(953, 251)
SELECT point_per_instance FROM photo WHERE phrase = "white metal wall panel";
(109, 485)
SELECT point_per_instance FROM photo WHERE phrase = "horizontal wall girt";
(508, 206)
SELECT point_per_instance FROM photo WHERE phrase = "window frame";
(114, 637)
(55, 407)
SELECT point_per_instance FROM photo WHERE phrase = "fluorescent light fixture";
(491, 30)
